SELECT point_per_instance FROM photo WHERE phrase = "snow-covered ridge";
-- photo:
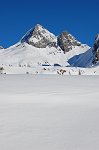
(40, 48)
(41, 38)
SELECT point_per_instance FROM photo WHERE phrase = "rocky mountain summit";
(41, 38)
(66, 41)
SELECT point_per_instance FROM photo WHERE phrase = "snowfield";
(50, 70)
(42, 112)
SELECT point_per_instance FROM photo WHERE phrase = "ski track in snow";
(42, 112)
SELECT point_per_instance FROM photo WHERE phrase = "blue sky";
(79, 17)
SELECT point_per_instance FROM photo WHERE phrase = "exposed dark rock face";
(96, 50)
(1, 47)
(66, 41)
(40, 37)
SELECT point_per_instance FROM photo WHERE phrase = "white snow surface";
(85, 60)
(28, 55)
(42, 112)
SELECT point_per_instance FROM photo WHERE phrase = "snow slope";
(23, 54)
(85, 59)
(49, 112)
(89, 58)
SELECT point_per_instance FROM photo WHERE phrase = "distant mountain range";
(38, 47)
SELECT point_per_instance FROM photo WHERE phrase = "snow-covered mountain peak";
(39, 37)
(39, 27)
(39, 47)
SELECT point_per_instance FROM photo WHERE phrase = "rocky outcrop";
(40, 37)
(96, 50)
(1, 70)
(66, 41)
(1, 47)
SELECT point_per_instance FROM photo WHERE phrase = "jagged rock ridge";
(39, 47)
(41, 38)
(66, 41)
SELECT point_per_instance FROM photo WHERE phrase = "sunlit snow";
(42, 112)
